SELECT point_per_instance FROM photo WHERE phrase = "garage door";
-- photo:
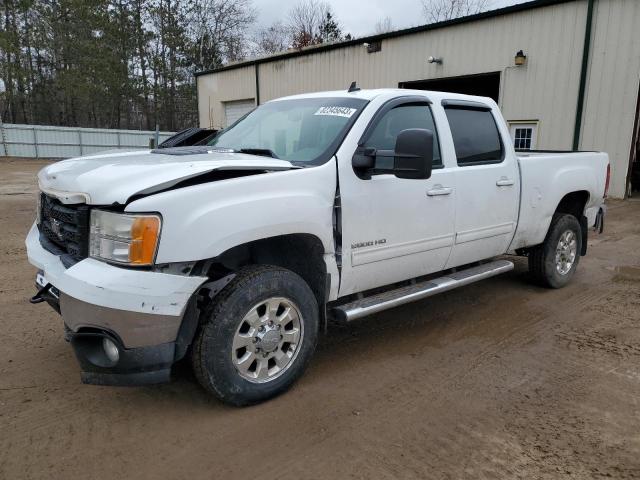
(236, 109)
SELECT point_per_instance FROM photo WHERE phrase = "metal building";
(566, 73)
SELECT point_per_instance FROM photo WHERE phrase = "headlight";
(124, 238)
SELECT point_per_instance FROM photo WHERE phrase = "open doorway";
(483, 84)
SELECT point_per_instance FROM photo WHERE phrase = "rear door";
(487, 182)
(394, 229)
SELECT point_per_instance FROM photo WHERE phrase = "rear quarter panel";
(545, 180)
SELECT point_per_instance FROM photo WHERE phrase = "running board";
(383, 301)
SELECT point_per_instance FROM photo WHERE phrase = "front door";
(394, 229)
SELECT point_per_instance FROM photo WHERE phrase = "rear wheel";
(257, 336)
(554, 263)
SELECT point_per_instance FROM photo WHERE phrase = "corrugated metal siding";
(237, 84)
(551, 37)
(612, 85)
(40, 141)
(546, 89)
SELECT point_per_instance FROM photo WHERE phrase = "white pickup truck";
(328, 205)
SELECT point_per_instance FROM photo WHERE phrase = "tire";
(230, 335)
(545, 268)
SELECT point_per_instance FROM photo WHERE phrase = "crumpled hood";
(110, 178)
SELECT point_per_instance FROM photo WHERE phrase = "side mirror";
(364, 159)
(413, 156)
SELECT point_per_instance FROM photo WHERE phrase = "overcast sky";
(359, 17)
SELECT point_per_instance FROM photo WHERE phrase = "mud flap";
(191, 317)
(584, 228)
(599, 225)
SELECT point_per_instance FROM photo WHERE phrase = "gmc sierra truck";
(331, 205)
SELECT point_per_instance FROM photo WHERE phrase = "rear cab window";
(476, 138)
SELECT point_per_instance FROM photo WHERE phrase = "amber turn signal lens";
(144, 240)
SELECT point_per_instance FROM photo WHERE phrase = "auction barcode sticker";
(336, 111)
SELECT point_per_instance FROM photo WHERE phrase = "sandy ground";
(500, 379)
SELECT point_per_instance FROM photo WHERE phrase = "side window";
(524, 134)
(384, 134)
(475, 136)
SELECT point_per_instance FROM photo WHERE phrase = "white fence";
(38, 141)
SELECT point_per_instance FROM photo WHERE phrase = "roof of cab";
(370, 94)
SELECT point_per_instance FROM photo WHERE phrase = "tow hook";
(45, 295)
(42, 295)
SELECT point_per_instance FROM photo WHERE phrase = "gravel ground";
(500, 379)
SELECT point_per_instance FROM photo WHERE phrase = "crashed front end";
(128, 314)
(124, 320)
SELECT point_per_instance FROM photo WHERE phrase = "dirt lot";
(500, 379)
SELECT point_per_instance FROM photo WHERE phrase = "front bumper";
(140, 310)
(134, 366)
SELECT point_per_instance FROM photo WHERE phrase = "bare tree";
(220, 29)
(440, 10)
(273, 39)
(305, 18)
(383, 25)
(313, 21)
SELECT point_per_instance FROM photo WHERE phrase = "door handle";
(439, 190)
(505, 182)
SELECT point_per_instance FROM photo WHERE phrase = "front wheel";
(554, 263)
(257, 336)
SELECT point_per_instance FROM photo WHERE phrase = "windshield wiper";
(263, 152)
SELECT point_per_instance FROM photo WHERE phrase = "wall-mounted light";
(437, 60)
(520, 58)
(373, 47)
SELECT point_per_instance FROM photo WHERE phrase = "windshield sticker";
(336, 111)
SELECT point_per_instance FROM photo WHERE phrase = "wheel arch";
(574, 203)
(302, 253)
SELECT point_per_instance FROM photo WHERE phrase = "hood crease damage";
(119, 178)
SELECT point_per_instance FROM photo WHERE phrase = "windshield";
(307, 130)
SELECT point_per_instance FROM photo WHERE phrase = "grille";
(64, 229)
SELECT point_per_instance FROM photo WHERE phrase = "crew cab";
(331, 205)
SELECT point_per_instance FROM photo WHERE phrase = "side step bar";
(383, 301)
